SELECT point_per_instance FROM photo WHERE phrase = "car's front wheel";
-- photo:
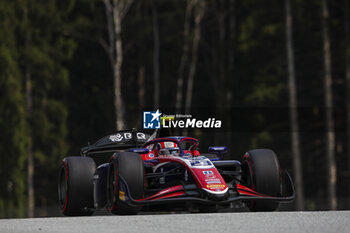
(261, 172)
(125, 169)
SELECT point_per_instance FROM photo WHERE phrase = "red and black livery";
(143, 172)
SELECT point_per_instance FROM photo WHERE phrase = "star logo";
(151, 120)
(155, 115)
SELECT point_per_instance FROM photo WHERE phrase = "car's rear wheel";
(128, 167)
(261, 172)
(75, 186)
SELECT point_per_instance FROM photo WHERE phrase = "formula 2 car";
(148, 173)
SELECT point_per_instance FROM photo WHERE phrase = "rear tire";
(261, 172)
(130, 167)
(75, 186)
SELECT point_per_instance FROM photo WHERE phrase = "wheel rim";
(112, 183)
(248, 180)
(62, 188)
(246, 171)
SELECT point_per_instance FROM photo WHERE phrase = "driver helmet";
(168, 148)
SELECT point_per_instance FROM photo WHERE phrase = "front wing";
(186, 193)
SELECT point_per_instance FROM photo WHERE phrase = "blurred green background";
(70, 75)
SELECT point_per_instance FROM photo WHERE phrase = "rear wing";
(120, 140)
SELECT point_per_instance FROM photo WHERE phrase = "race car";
(146, 173)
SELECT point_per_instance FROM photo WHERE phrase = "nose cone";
(211, 181)
(217, 195)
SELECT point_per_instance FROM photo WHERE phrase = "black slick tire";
(127, 166)
(261, 172)
(75, 186)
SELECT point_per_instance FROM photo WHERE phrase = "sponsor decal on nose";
(215, 186)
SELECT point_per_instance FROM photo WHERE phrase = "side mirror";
(140, 150)
(217, 149)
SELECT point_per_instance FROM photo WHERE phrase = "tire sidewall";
(129, 167)
(262, 167)
(79, 174)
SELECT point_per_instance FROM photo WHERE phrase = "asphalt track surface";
(275, 222)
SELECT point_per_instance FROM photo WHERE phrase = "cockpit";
(173, 146)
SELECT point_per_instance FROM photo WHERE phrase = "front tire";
(75, 186)
(261, 172)
(127, 166)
